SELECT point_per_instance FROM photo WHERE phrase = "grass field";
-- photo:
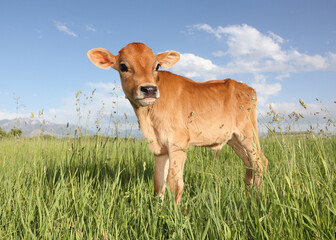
(99, 188)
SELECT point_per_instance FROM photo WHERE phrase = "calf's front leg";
(175, 176)
(160, 176)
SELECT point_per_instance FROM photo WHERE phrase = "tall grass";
(102, 188)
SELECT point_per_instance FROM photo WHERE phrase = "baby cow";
(175, 112)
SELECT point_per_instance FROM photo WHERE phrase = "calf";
(175, 112)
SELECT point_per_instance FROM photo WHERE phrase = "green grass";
(103, 189)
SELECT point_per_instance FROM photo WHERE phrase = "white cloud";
(90, 28)
(254, 52)
(9, 115)
(63, 28)
(246, 41)
(332, 61)
(191, 66)
(265, 90)
(276, 37)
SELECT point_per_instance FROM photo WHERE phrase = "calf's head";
(138, 68)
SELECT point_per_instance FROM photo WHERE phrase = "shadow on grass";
(99, 172)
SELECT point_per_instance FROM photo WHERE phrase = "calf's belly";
(215, 138)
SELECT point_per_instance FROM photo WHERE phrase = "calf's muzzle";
(149, 91)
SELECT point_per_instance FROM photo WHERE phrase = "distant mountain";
(34, 127)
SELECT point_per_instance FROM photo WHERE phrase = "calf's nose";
(149, 91)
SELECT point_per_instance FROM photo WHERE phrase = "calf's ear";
(102, 58)
(168, 59)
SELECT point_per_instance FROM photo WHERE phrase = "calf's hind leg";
(241, 152)
(248, 149)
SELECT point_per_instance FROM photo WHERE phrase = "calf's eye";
(123, 68)
(157, 67)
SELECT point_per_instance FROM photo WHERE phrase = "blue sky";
(285, 49)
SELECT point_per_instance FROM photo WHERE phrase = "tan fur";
(186, 113)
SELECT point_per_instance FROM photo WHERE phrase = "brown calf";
(175, 112)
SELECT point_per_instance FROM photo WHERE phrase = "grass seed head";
(302, 103)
